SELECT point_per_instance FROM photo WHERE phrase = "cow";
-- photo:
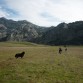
(60, 50)
(19, 55)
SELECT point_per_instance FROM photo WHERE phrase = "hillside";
(19, 30)
(70, 34)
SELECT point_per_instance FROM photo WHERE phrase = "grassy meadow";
(41, 64)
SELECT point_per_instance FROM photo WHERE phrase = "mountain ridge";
(62, 34)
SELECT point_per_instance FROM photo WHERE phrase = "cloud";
(3, 13)
(43, 12)
(66, 10)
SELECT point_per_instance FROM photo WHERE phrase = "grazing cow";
(19, 55)
(60, 50)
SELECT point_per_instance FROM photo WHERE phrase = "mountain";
(19, 30)
(62, 34)
(70, 34)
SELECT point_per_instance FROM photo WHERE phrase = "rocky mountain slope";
(70, 34)
(19, 30)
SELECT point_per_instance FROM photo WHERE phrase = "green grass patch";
(17, 44)
(41, 64)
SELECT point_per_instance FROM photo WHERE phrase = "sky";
(42, 12)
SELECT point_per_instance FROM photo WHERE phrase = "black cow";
(19, 55)
(60, 50)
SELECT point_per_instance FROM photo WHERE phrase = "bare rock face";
(3, 31)
(2, 27)
(26, 33)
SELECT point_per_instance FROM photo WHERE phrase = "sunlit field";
(40, 64)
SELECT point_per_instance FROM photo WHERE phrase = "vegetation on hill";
(70, 34)
(64, 34)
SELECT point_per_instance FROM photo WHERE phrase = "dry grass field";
(41, 64)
